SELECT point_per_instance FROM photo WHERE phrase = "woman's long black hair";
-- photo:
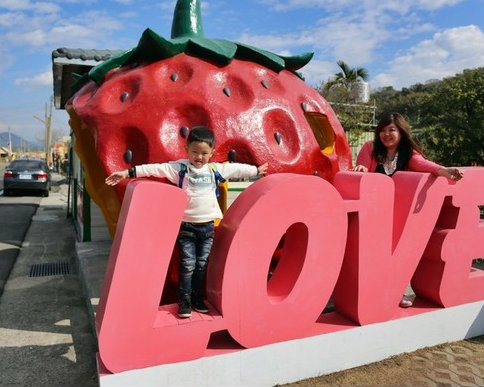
(405, 146)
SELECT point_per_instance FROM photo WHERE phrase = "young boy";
(198, 178)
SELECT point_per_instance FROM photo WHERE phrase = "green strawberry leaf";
(152, 47)
(218, 50)
(294, 63)
(98, 72)
(187, 37)
(257, 55)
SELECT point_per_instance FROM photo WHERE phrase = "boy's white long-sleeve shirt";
(199, 184)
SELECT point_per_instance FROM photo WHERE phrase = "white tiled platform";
(299, 359)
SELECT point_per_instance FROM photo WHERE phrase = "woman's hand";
(451, 173)
(360, 168)
(116, 177)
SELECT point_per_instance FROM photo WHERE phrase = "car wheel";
(45, 193)
(6, 192)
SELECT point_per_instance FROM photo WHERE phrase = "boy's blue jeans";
(195, 242)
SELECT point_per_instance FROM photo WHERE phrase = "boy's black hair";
(201, 134)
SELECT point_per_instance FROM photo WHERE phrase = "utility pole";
(9, 143)
(48, 130)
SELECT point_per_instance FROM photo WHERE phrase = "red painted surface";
(363, 239)
(148, 121)
(142, 109)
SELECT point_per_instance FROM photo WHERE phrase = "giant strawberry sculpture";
(138, 108)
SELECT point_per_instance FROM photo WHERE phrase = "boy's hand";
(116, 177)
(262, 169)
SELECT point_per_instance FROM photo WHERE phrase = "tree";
(343, 93)
(349, 75)
(451, 120)
(344, 87)
(446, 116)
(408, 101)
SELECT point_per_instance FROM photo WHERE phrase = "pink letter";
(445, 275)
(133, 330)
(387, 234)
(311, 214)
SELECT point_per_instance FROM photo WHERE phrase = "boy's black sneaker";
(184, 307)
(199, 305)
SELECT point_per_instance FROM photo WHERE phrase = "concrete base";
(314, 356)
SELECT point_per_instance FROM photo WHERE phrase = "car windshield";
(26, 164)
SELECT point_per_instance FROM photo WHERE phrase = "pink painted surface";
(362, 240)
(133, 331)
(443, 274)
(388, 233)
(311, 212)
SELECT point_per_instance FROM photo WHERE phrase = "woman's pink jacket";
(417, 162)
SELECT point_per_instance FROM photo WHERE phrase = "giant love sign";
(360, 240)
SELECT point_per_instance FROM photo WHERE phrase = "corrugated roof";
(84, 54)
(69, 61)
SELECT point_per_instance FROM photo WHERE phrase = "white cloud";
(82, 31)
(436, 4)
(273, 43)
(170, 5)
(35, 37)
(317, 71)
(36, 82)
(167, 6)
(9, 19)
(42, 7)
(447, 53)
(351, 40)
(83, 2)
(128, 15)
(364, 35)
(28, 28)
(334, 38)
(6, 61)
(332, 5)
(26, 5)
(280, 5)
(15, 5)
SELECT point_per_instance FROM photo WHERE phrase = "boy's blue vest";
(218, 177)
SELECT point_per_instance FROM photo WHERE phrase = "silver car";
(27, 174)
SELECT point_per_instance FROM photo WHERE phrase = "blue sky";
(400, 42)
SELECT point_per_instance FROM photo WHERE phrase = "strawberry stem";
(187, 20)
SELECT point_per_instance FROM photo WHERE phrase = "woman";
(393, 149)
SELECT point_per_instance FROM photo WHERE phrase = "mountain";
(19, 143)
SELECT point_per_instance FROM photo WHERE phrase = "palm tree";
(344, 87)
(349, 75)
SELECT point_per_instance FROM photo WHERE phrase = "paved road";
(45, 335)
(15, 219)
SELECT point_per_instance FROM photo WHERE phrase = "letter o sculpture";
(309, 212)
